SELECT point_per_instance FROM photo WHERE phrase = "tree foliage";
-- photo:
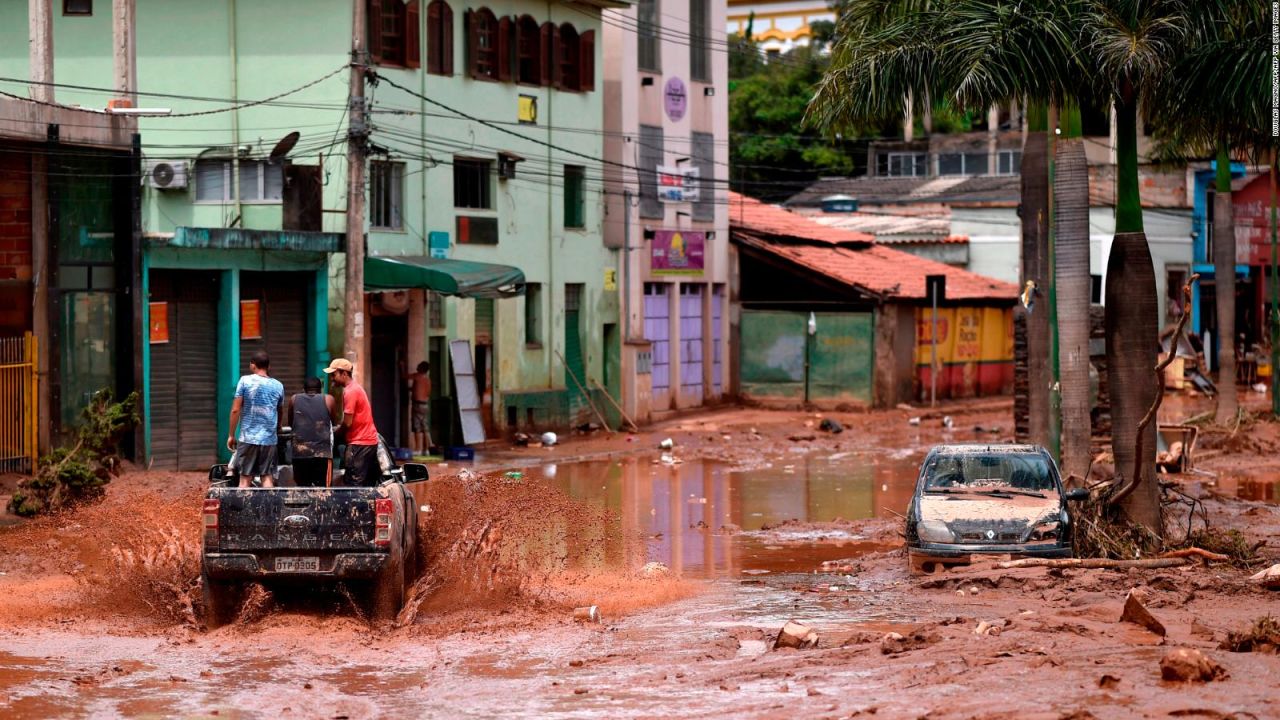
(78, 473)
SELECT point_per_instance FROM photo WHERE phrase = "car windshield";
(995, 471)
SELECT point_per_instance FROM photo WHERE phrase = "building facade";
(778, 27)
(667, 152)
(486, 141)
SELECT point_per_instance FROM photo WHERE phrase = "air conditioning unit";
(167, 174)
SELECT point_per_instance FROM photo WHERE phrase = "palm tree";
(1211, 102)
(1132, 45)
(971, 54)
(1074, 288)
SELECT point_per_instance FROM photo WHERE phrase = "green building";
(486, 132)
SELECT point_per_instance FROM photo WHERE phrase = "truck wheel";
(221, 600)
(387, 594)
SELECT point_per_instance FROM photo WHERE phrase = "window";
(532, 313)
(77, 7)
(386, 195)
(962, 163)
(573, 297)
(1009, 162)
(647, 34)
(439, 38)
(903, 164)
(482, 44)
(569, 58)
(471, 184)
(704, 154)
(650, 154)
(435, 310)
(528, 51)
(699, 32)
(260, 181)
(393, 32)
(574, 202)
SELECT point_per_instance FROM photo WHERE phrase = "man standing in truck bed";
(256, 411)
(360, 462)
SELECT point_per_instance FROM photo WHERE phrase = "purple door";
(657, 330)
(717, 351)
(691, 342)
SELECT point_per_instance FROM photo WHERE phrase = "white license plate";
(297, 564)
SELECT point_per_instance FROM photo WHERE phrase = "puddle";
(701, 518)
(1260, 487)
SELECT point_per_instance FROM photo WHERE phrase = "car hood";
(974, 514)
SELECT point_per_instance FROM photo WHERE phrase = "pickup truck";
(365, 537)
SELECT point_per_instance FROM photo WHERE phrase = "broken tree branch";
(1138, 460)
(1095, 563)
(1195, 552)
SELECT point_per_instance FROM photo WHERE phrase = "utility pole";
(357, 137)
(125, 50)
(40, 49)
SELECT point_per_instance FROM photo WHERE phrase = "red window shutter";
(434, 37)
(473, 42)
(553, 52)
(373, 25)
(503, 47)
(412, 35)
(546, 57)
(446, 39)
(587, 63)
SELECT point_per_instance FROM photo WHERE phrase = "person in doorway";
(420, 420)
(312, 414)
(256, 412)
(360, 461)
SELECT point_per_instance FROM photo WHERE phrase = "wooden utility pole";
(40, 49)
(357, 137)
(125, 49)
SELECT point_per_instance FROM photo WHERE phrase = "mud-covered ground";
(98, 609)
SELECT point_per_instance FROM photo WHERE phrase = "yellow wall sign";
(250, 320)
(528, 112)
(610, 279)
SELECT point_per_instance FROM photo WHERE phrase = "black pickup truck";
(365, 537)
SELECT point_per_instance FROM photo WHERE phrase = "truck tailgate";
(321, 519)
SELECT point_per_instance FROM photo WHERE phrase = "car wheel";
(221, 600)
(386, 597)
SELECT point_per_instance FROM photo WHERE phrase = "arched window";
(482, 44)
(393, 32)
(439, 38)
(569, 57)
(528, 51)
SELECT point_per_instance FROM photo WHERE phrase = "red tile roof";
(849, 258)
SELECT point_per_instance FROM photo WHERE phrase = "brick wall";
(1159, 187)
(15, 243)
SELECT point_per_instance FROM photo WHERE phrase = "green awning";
(446, 276)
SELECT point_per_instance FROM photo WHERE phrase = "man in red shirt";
(360, 462)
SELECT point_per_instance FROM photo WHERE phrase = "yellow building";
(778, 26)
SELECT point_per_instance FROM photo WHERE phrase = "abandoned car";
(988, 499)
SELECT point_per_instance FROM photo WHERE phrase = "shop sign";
(678, 252)
(250, 319)
(675, 99)
(527, 112)
(610, 279)
(676, 184)
(159, 312)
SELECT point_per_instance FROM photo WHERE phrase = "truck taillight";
(382, 525)
(211, 508)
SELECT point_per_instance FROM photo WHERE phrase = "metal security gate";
(273, 317)
(781, 359)
(575, 364)
(18, 404)
(657, 330)
(691, 341)
(184, 368)
(717, 347)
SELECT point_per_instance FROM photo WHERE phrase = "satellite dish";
(286, 144)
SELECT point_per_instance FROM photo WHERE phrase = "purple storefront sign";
(674, 99)
(677, 252)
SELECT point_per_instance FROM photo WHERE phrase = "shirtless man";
(420, 420)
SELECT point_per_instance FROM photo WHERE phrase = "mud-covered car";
(988, 499)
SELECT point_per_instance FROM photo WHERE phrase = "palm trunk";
(1224, 288)
(1131, 309)
(1074, 290)
(1035, 268)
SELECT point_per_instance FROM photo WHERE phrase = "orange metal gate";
(18, 411)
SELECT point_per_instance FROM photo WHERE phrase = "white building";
(666, 107)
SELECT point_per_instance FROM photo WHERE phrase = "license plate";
(297, 564)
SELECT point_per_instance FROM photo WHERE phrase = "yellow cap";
(340, 364)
